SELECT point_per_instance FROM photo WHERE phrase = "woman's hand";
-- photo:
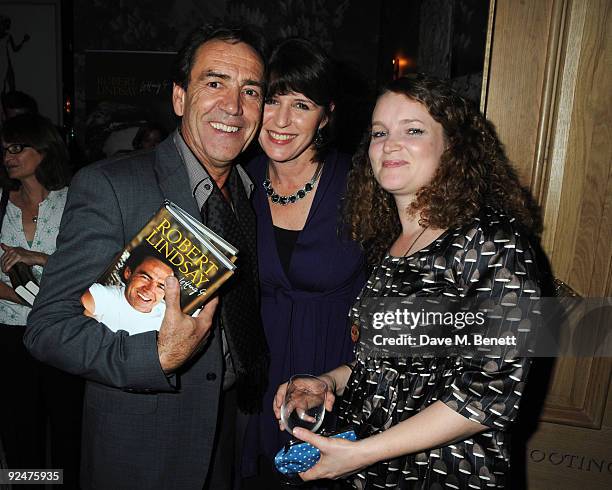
(12, 255)
(339, 457)
(279, 399)
(435, 426)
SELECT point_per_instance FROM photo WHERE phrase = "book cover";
(129, 295)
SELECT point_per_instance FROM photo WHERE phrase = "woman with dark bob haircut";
(35, 174)
(309, 273)
(450, 233)
(39, 134)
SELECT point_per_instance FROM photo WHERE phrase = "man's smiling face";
(145, 284)
(221, 107)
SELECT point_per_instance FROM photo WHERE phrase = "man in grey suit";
(154, 401)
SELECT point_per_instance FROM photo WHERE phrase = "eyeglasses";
(15, 148)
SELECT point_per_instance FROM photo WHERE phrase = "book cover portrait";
(129, 295)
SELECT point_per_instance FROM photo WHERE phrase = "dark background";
(104, 87)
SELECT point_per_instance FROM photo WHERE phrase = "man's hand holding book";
(181, 335)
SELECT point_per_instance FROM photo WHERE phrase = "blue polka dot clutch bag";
(301, 456)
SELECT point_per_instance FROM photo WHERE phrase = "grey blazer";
(141, 429)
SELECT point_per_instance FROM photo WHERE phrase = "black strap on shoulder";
(3, 203)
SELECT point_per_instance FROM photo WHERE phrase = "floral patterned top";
(487, 259)
(47, 227)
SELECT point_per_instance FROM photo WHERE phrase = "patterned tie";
(239, 307)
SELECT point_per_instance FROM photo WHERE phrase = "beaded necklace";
(297, 195)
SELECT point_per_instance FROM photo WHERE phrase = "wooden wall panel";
(569, 458)
(517, 67)
(578, 213)
(548, 93)
(580, 244)
(578, 393)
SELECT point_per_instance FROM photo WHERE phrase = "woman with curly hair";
(443, 220)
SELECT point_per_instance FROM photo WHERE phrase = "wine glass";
(304, 404)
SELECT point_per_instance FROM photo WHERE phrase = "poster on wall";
(124, 91)
(30, 52)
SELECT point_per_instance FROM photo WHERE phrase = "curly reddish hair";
(474, 173)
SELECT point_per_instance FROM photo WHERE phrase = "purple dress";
(304, 312)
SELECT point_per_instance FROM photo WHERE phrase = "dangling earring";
(318, 139)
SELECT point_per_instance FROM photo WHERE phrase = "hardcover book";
(129, 295)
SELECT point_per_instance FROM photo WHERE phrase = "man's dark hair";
(249, 35)
(138, 256)
(20, 102)
(40, 133)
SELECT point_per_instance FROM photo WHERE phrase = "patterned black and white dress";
(486, 259)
